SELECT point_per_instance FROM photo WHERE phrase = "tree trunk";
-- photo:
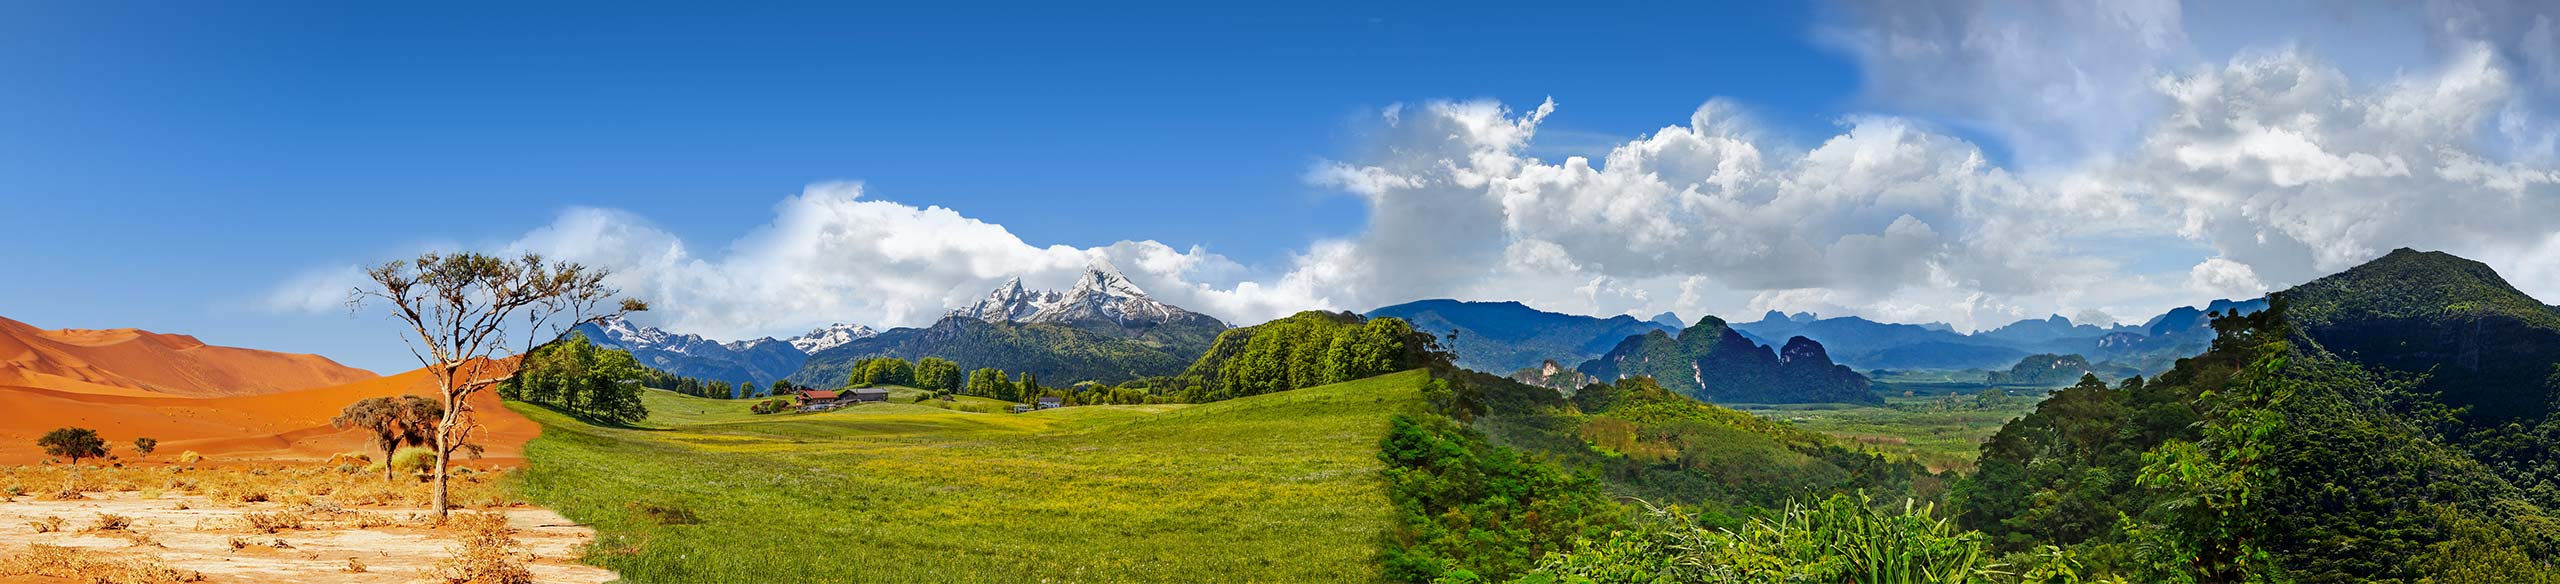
(444, 455)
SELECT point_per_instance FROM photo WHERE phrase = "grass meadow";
(1273, 488)
(1905, 427)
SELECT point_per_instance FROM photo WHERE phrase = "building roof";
(818, 394)
(869, 390)
(1051, 400)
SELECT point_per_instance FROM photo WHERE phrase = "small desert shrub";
(49, 524)
(64, 495)
(365, 520)
(355, 566)
(190, 457)
(69, 563)
(14, 490)
(487, 556)
(238, 544)
(111, 522)
(413, 460)
(273, 522)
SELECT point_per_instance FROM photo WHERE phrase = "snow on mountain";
(1102, 294)
(829, 336)
(1009, 303)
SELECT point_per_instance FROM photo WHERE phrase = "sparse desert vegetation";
(277, 523)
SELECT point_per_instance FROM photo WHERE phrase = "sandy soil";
(200, 538)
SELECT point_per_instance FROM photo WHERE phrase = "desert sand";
(138, 363)
(227, 404)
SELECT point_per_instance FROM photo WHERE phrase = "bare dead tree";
(458, 307)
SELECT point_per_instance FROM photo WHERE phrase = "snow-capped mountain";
(1101, 295)
(759, 360)
(829, 336)
(1010, 303)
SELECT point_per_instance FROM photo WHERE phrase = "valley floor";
(1938, 432)
(1275, 488)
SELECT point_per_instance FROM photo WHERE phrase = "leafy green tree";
(582, 379)
(878, 371)
(73, 443)
(143, 446)
(937, 374)
(394, 422)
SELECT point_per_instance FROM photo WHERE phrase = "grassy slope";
(1273, 488)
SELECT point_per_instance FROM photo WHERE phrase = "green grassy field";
(1905, 426)
(1273, 488)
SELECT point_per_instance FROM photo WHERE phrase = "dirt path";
(193, 534)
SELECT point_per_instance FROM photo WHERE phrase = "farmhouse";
(1051, 403)
(819, 400)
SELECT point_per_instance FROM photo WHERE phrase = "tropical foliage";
(1470, 509)
(2337, 436)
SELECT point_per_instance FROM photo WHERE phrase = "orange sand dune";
(292, 425)
(138, 363)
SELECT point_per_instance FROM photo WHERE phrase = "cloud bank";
(2147, 175)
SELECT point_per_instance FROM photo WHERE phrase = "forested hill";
(2481, 342)
(2381, 424)
(1309, 349)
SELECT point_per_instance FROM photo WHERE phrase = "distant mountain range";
(1866, 345)
(1508, 336)
(1499, 337)
(1103, 329)
(1715, 363)
(761, 361)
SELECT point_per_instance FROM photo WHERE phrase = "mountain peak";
(1101, 295)
(1100, 276)
(827, 337)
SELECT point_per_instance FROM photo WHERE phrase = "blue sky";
(171, 165)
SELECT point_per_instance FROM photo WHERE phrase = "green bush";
(413, 460)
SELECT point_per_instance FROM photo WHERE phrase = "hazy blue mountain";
(1865, 344)
(1502, 337)
(1713, 362)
